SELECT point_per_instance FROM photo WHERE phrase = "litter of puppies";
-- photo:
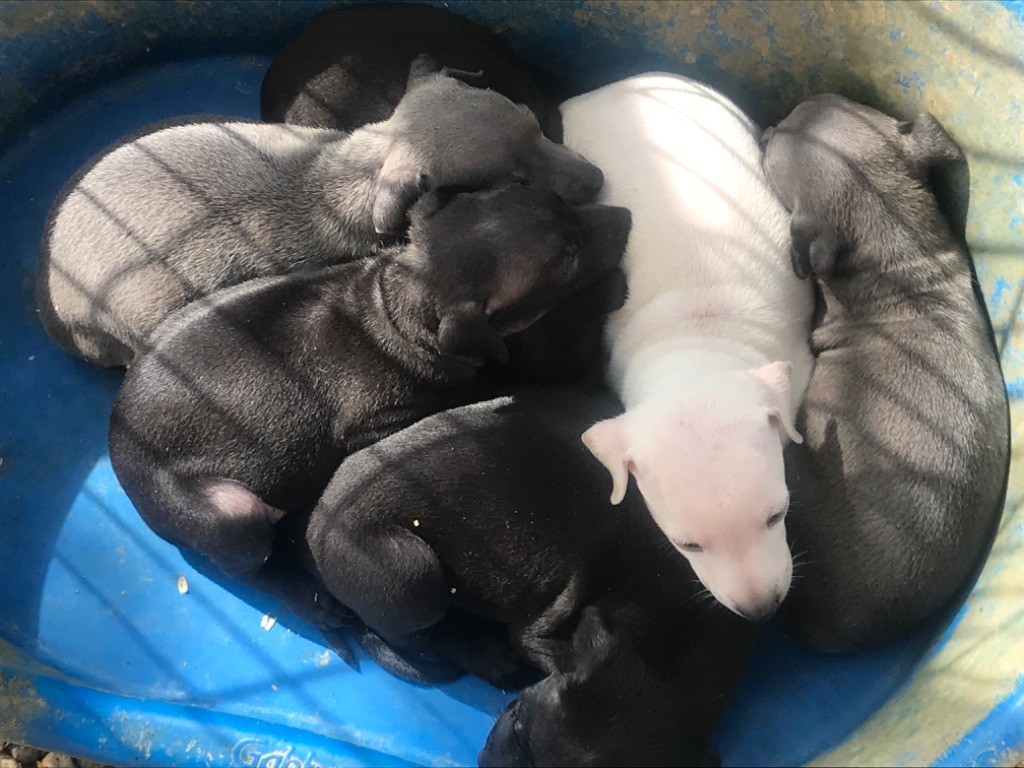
(385, 358)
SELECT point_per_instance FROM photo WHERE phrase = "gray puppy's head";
(852, 175)
(446, 132)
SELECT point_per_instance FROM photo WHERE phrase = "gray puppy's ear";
(815, 245)
(930, 143)
(422, 67)
(464, 332)
(397, 190)
(476, 79)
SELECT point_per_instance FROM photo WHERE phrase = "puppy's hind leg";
(388, 576)
(217, 517)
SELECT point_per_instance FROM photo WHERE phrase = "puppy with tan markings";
(710, 351)
(186, 210)
(900, 482)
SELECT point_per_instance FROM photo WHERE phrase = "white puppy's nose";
(762, 611)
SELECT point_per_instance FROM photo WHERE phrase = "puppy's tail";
(419, 670)
(337, 641)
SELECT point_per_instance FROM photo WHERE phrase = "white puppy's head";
(709, 466)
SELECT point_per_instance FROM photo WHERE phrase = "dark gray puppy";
(180, 212)
(348, 67)
(249, 400)
(898, 487)
(496, 510)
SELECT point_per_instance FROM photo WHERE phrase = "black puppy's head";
(609, 710)
(446, 132)
(494, 262)
(847, 172)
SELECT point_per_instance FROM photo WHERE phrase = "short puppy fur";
(710, 352)
(249, 400)
(348, 67)
(186, 210)
(496, 510)
(898, 488)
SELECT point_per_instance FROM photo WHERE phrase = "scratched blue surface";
(136, 673)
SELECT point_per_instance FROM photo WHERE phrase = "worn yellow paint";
(19, 704)
(971, 673)
(21, 18)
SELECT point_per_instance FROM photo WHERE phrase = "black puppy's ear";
(930, 143)
(431, 202)
(397, 190)
(465, 332)
(815, 245)
(617, 289)
(592, 638)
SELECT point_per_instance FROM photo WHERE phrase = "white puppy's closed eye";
(607, 440)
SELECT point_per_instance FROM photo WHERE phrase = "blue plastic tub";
(103, 656)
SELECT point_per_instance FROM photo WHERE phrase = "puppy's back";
(131, 238)
(686, 161)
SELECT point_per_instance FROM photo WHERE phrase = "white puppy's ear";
(775, 378)
(607, 441)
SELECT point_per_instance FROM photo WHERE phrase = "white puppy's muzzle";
(752, 585)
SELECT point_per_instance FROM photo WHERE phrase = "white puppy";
(710, 353)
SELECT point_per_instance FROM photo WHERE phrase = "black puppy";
(348, 67)
(496, 510)
(565, 346)
(897, 489)
(250, 399)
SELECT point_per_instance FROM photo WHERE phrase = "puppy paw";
(503, 668)
(326, 613)
(408, 665)
(338, 641)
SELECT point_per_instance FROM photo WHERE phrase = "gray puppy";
(898, 487)
(182, 211)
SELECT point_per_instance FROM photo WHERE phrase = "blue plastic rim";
(102, 655)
